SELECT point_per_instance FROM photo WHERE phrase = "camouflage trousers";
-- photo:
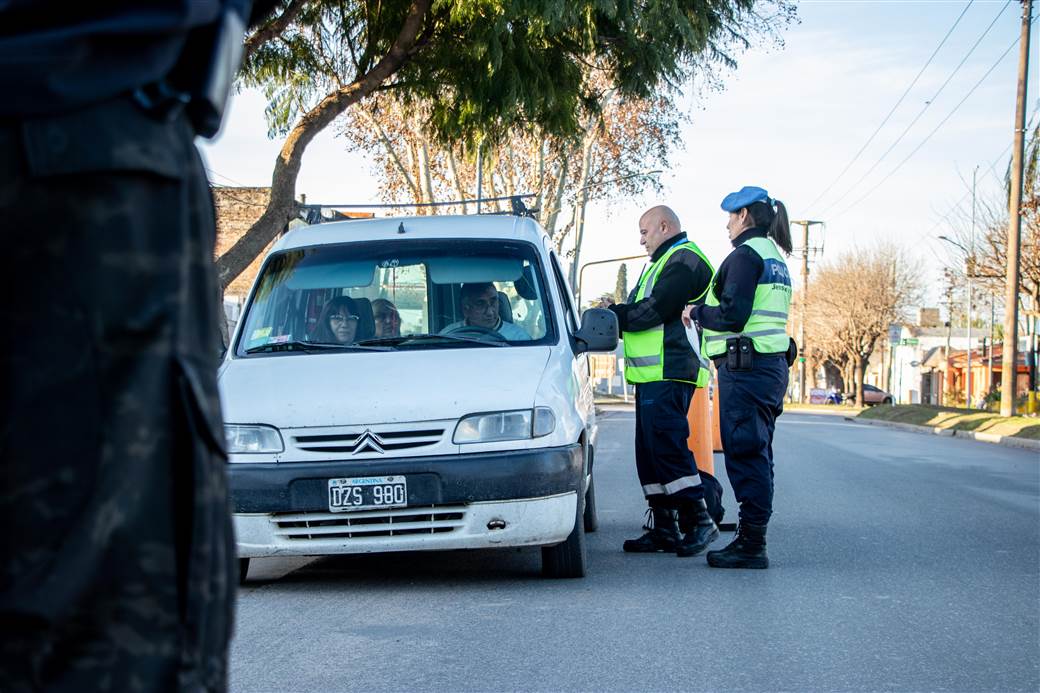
(117, 570)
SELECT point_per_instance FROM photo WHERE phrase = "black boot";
(748, 550)
(662, 534)
(697, 527)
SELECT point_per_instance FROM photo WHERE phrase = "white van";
(462, 420)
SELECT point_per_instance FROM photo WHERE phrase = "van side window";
(568, 299)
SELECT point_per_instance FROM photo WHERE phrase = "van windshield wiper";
(297, 345)
(395, 341)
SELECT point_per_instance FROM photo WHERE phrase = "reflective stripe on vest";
(644, 350)
(767, 325)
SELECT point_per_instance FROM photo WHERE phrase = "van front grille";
(429, 519)
(356, 442)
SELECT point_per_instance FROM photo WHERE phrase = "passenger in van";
(338, 323)
(480, 309)
(387, 319)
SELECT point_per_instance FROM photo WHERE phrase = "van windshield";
(408, 294)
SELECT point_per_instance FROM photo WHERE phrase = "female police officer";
(744, 321)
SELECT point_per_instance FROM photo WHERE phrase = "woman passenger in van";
(338, 323)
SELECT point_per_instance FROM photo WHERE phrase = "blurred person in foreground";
(121, 574)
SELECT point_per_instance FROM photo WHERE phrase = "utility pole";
(480, 173)
(805, 224)
(970, 262)
(989, 365)
(1009, 357)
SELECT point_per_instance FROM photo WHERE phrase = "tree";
(621, 288)
(988, 266)
(481, 68)
(853, 301)
(612, 152)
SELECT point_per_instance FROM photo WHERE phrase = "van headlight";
(520, 424)
(252, 439)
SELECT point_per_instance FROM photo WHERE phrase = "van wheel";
(589, 518)
(243, 570)
(567, 560)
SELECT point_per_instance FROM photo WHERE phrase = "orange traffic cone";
(716, 432)
(699, 441)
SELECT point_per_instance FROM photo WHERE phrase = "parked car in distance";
(871, 396)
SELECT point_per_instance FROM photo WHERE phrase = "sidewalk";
(950, 422)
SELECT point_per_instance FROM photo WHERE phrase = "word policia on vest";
(767, 326)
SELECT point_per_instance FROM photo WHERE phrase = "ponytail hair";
(780, 229)
(774, 221)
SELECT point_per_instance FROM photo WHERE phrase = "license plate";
(367, 492)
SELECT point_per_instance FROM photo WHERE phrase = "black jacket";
(682, 280)
(735, 285)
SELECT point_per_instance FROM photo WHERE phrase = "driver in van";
(480, 309)
(338, 323)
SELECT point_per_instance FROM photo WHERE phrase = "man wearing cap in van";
(662, 364)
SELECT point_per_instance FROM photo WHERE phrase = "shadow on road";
(383, 569)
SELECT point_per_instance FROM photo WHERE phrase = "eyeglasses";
(343, 318)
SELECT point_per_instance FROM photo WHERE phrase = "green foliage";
(485, 67)
(621, 288)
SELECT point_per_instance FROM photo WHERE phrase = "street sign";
(910, 341)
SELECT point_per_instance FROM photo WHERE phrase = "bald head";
(657, 225)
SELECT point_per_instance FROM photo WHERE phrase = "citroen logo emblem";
(368, 442)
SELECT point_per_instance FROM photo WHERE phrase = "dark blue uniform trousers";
(749, 403)
(664, 462)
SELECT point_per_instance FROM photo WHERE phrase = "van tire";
(568, 559)
(589, 518)
(243, 570)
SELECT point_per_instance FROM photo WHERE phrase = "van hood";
(348, 389)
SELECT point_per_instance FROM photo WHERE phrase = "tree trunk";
(389, 147)
(541, 175)
(282, 205)
(424, 177)
(579, 210)
(861, 371)
(460, 191)
(555, 202)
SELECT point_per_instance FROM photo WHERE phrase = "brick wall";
(237, 210)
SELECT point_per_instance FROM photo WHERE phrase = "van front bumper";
(290, 487)
(483, 525)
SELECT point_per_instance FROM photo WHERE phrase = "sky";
(790, 119)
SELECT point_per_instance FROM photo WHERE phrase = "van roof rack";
(312, 213)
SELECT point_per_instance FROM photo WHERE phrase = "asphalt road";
(899, 561)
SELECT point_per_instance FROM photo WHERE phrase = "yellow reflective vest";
(767, 326)
(644, 350)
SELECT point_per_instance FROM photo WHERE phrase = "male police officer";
(661, 362)
(118, 568)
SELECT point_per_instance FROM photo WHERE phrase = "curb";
(1006, 441)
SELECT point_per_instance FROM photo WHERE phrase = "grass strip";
(957, 419)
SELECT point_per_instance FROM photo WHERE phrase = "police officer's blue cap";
(747, 195)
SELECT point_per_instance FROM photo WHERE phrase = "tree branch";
(272, 28)
(282, 205)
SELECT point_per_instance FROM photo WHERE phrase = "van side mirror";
(598, 332)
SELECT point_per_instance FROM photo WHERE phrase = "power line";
(935, 130)
(927, 105)
(887, 117)
(211, 172)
